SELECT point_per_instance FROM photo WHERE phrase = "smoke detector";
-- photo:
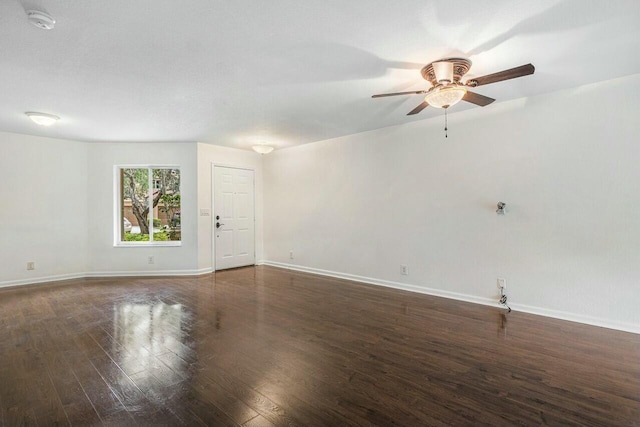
(41, 19)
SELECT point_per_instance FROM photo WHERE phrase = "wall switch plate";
(31, 265)
(501, 282)
(290, 254)
(151, 260)
(404, 270)
(205, 212)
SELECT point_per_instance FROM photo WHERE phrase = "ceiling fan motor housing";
(460, 68)
(41, 19)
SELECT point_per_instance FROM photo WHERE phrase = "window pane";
(134, 192)
(166, 211)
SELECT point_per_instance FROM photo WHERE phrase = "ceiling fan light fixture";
(262, 148)
(445, 96)
(42, 119)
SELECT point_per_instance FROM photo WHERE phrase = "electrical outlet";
(31, 265)
(290, 254)
(151, 260)
(404, 270)
(501, 282)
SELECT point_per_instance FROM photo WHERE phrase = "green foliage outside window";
(130, 237)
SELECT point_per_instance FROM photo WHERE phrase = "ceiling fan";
(447, 89)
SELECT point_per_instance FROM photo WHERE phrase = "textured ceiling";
(285, 71)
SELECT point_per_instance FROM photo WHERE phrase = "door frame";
(213, 211)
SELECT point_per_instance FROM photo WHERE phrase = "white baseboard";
(386, 283)
(43, 279)
(60, 277)
(578, 318)
(572, 317)
(149, 273)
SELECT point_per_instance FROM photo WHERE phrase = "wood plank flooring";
(261, 346)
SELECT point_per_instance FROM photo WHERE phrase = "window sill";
(147, 244)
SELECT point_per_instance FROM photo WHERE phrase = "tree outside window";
(155, 187)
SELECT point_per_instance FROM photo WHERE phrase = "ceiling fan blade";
(419, 108)
(476, 98)
(413, 92)
(523, 70)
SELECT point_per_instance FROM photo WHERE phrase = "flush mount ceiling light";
(41, 19)
(42, 119)
(262, 148)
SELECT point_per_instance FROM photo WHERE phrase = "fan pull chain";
(445, 124)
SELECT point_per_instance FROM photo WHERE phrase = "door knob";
(218, 224)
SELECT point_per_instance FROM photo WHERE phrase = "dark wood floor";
(264, 346)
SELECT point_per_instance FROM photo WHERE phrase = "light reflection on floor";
(144, 331)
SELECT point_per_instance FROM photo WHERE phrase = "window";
(139, 188)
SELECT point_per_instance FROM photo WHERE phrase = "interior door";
(233, 217)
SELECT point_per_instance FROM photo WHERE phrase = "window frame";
(117, 228)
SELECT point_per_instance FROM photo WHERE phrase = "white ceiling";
(286, 72)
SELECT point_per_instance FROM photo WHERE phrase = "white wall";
(43, 217)
(104, 258)
(212, 154)
(566, 164)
